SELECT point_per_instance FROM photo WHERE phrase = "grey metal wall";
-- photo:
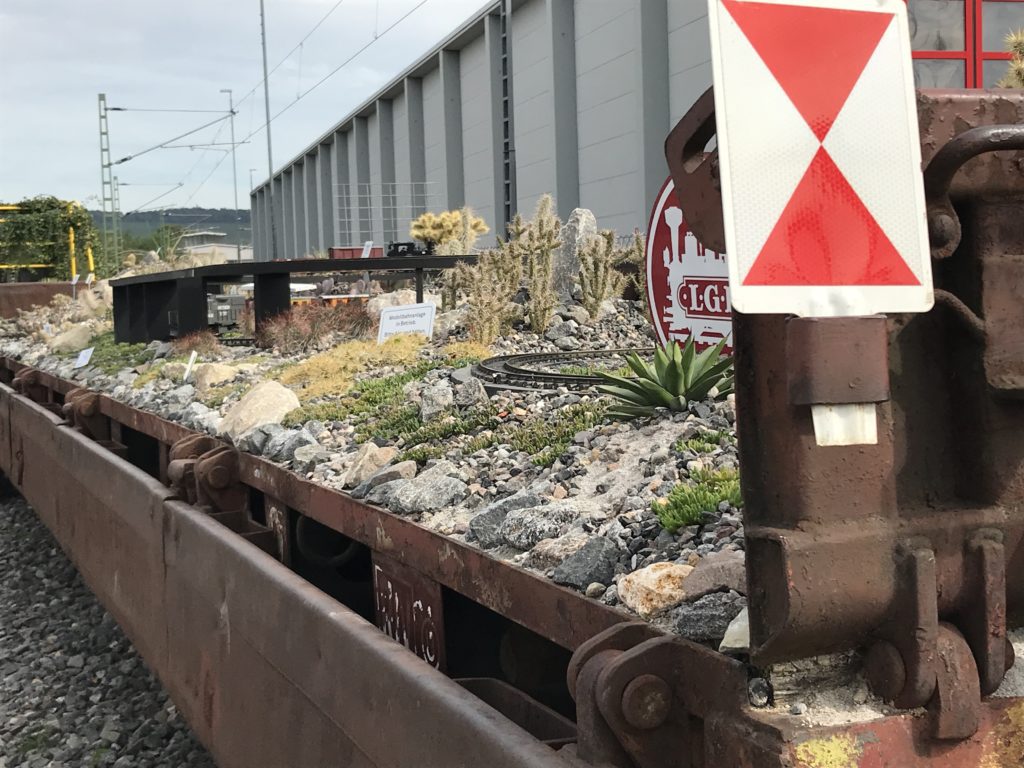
(595, 86)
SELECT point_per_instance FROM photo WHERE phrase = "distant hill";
(235, 224)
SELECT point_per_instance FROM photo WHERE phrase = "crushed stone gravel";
(73, 691)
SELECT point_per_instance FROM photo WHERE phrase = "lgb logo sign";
(687, 284)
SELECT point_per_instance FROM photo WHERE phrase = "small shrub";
(678, 377)
(201, 342)
(303, 327)
(599, 277)
(686, 504)
(635, 255)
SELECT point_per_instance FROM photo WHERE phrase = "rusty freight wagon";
(297, 626)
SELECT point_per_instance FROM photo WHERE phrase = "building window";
(962, 43)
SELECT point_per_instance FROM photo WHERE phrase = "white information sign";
(83, 358)
(74, 279)
(367, 248)
(188, 368)
(820, 220)
(411, 318)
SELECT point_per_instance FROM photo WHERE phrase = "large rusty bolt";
(885, 670)
(218, 476)
(646, 702)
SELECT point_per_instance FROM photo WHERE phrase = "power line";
(341, 66)
(169, 141)
(133, 109)
(298, 45)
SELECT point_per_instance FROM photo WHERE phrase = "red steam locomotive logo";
(687, 284)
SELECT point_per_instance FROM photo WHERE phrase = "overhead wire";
(338, 68)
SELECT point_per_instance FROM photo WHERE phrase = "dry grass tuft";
(303, 327)
(202, 342)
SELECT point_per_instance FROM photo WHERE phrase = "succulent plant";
(677, 377)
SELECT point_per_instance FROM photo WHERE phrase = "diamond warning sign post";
(820, 161)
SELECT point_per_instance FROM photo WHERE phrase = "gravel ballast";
(73, 691)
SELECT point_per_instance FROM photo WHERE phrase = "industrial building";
(571, 97)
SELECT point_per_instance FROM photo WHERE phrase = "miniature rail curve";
(513, 371)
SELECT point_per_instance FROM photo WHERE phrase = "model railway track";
(526, 371)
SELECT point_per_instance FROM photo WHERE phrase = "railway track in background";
(541, 370)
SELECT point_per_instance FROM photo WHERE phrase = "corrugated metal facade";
(592, 90)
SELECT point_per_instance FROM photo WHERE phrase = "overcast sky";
(57, 55)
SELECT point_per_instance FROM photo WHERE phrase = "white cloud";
(58, 55)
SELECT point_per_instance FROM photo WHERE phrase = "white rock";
(74, 339)
(435, 400)
(653, 589)
(209, 375)
(266, 403)
(369, 459)
(577, 230)
(737, 636)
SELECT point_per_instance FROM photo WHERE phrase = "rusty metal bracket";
(181, 462)
(28, 382)
(837, 360)
(695, 172)
(82, 409)
(944, 229)
(637, 701)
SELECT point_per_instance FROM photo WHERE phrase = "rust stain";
(1005, 747)
(839, 751)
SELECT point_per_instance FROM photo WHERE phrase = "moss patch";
(109, 357)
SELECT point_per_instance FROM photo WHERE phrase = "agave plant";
(678, 376)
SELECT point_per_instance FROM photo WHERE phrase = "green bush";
(686, 504)
(678, 377)
(704, 442)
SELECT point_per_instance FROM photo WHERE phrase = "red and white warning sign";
(820, 157)
(687, 284)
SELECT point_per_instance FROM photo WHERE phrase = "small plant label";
(90, 279)
(48, 329)
(367, 247)
(411, 318)
(188, 368)
(84, 357)
(74, 279)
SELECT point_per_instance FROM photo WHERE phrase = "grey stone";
(382, 494)
(470, 393)
(577, 230)
(403, 470)
(282, 446)
(707, 619)
(737, 635)
(594, 561)
(717, 572)
(308, 456)
(75, 339)
(255, 440)
(523, 528)
(567, 343)
(435, 400)
(596, 589)
(183, 394)
(485, 526)
(162, 349)
(433, 489)
(560, 330)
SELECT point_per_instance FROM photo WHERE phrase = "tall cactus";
(541, 241)
(599, 278)
(495, 279)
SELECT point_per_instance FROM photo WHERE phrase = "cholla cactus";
(635, 255)
(540, 239)
(1014, 77)
(453, 231)
(599, 278)
(494, 279)
(464, 241)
